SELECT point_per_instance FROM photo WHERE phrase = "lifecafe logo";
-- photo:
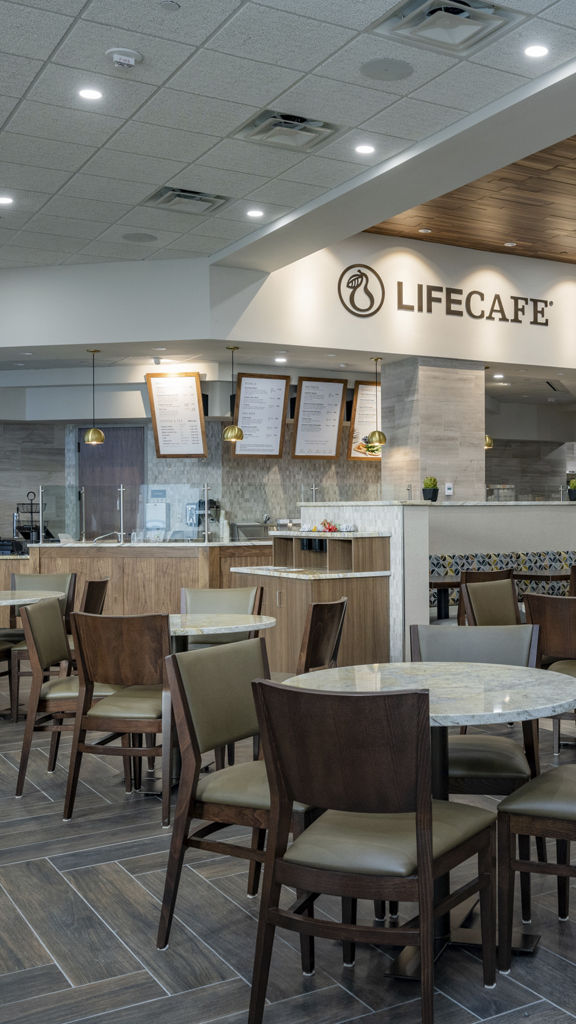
(362, 293)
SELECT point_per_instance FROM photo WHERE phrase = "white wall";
(464, 529)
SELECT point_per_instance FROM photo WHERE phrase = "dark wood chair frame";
(479, 576)
(214, 816)
(469, 608)
(556, 617)
(322, 635)
(123, 650)
(300, 764)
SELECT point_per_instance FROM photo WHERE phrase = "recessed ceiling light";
(498, 376)
(342, 365)
(365, 149)
(6, 200)
(503, 384)
(90, 94)
(510, 245)
(254, 213)
(160, 348)
(19, 364)
(26, 353)
(280, 359)
(424, 231)
(536, 51)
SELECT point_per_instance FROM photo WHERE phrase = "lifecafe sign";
(362, 293)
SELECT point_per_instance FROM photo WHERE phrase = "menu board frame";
(338, 435)
(194, 379)
(360, 458)
(280, 439)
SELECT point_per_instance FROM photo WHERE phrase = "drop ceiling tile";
(238, 211)
(288, 193)
(7, 104)
(16, 74)
(194, 113)
(90, 186)
(117, 232)
(172, 254)
(6, 235)
(163, 220)
(89, 209)
(278, 38)
(343, 148)
(119, 250)
(30, 33)
(69, 7)
(26, 207)
(65, 125)
(218, 227)
(59, 85)
(34, 179)
(526, 6)
(250, 158)
(191, 24)
(53, 243)
(220, 75)
(223, 183)
(112, 163)
(16, 257)
(86, 46)
(469, 86)
(320, 99)
(346, 66)
(66, 226)
(65, 156)
(318, 171)
(82, 258)
(412, 119)
(154, 140)
(199, 244)
(338, 12)
(562, 13)
(507, 54)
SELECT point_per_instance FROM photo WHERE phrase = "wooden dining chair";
(64, 582)
(492, 603)
(556, 617)
(479, 576)
(92, 601)
(52, 701)
(126, 652)
(381, 836)
(321, 638)
(213, 706)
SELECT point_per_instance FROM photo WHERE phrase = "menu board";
(261, 403)
(366, 417)
(177, 415)
(319, 415)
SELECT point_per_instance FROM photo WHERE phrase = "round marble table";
(196, 624)
(18, 597)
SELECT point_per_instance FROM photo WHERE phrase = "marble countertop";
(185, 545)
(199, 624)
(285, 572)
(12, 557)
(323, 534)
(463, 693)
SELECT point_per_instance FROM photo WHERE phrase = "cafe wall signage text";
(362, 293)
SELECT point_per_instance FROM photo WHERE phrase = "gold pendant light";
(376, 437)
(488, 442)
(233, 432)
(93, 435)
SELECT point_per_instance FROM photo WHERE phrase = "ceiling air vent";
(457, 27)
(183, 200)
(286, 130)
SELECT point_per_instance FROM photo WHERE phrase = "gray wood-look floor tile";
(19, 948)
(74, 1004)
(554, 978)
(38, 981)
(125, 852)
(213, 1003)
(133, 914)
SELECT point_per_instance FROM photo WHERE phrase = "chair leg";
(14, 684)
(263, 951)
(231, 752)
(149, 741)
(563, 857)
(137, 762)
(78, 737)
(525, 897)
(541, 849)
(26, 744)
(379, 910)
(349, 908)
(487, 872)
(556, 736)
(426, 961)
(168, 732)
(182, 819)
(55, 742)
(258, 843)
(505, 892)
(219, 758)
(127, 762)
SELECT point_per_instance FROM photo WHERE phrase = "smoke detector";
(123, 58)
(456, 27)
(287, 130)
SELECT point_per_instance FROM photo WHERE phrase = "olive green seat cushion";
(568, 668)
(67, 686)
(242, 785)
(130, 702)
(480, 756)
(551, 795)
(5, 648)
(382, 844)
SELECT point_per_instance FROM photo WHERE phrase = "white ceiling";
(79, 172)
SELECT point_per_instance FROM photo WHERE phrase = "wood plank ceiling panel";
(531, 202)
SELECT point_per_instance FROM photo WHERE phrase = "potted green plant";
(430, 488)
(572, 489)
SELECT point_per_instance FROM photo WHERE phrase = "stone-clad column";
(433, 417)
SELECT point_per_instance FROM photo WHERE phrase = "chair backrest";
(45, 633)
(93, 596)
(123, 650)
(212, 694)
(382, 739)
(322, 634)
(492, 603)
(556, 617)
(63, 581)
(496, 645)
(572, 584)
(479, 576)
(245, 600)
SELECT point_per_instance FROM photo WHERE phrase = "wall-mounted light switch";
(448, 489)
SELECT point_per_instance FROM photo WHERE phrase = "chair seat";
(382, 844)
(5, 648)
(13, 637)
(482, 755)
(551, 795)
(567, 667)
(130, 702)
(241, 785)
(67, 686)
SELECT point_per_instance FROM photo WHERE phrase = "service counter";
(143, 577)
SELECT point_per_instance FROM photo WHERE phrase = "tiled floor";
(79, 906)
